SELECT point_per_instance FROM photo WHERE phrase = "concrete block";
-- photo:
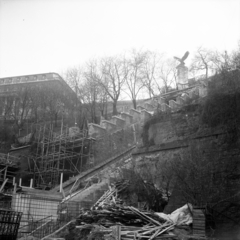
(165, 107)
(148, 107)
(128, 118)
(136, 115)
(174, 105)
(180, 100)
(161, 100)
(194, 93)
(140, 108)
(109, 126)
(185, 97)
(96, 130)
(119, 122)
(145, 115)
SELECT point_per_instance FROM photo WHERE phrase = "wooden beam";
(4, 183)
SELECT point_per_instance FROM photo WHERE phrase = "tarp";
(181, 216)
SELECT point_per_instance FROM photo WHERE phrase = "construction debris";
(180, 216)
(123, 222)
(110, 219)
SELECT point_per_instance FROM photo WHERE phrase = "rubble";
(110, 219)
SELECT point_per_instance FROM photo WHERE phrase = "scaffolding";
(9, 165)
(67, 151)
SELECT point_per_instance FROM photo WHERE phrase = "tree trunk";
(115, 108)
(56, 119)
(134, 101)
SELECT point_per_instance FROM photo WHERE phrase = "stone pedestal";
(182, 76)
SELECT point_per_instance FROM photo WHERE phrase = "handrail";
(75, 193)
(39, 227)
(36, 221)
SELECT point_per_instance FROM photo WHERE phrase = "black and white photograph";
(119, 119)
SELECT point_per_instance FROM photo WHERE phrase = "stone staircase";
(126, 119)
(169, 102)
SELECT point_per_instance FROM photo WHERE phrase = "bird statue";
(181, 60)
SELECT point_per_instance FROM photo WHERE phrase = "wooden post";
(20, 182)
(31, 183)
(61, 182)
(5, 173)
(4, 183)
(116, 232)
(15, 188)
(14, 180)
(134, 134)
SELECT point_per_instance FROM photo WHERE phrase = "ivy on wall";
(222, 106)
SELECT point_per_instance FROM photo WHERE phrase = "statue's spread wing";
(185, 56)
(179, 59)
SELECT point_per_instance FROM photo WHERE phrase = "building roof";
(40, 78)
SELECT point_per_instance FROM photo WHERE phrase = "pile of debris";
(110, 219)
(132, 223)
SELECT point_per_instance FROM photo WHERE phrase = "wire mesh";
(9, 224)
(43, 215)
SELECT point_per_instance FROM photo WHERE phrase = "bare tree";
(202, 61)
(38, 103)
(235, 57)
(150, 73)
(167, 74)
(18, 106)
(55, 102)
(135, 77)
(159, 73)
(92, 94)
(73, 77)
(220, 61)
(113, 77)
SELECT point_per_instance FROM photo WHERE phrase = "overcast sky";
(38, 36)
